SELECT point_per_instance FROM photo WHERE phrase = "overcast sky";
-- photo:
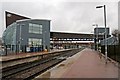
(65, 16)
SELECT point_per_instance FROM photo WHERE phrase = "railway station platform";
(20, 58)
(85, 64)
(20, 55)
(23, 55)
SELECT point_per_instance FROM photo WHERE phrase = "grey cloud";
(66, 16)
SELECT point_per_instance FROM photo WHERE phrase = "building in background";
(27, 35)
(99, 35)
(70, 40)
(12, 17)
(57, 39)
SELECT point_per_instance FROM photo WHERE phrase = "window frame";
(35, 28)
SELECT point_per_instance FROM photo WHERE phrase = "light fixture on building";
(9, 15)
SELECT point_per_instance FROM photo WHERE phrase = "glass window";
(35, 42)
(35, 28)
(9, 35)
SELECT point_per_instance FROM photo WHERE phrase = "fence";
(113, 51)
(15, 49)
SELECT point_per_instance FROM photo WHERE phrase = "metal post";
(16, 48)
(20, 40)
(105, 34)
(44, 35)
(97, 35)
(6, 50)
(105, 31)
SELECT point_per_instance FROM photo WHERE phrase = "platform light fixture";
(105, 30)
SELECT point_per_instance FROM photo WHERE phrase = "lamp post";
(44, 43)
(20, 40)
(105, 30)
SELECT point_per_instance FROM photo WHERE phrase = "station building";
(27, 35)
(20, 37)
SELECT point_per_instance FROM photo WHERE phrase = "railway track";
(31, 69)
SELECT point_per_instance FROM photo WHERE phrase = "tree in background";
(116, 33)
